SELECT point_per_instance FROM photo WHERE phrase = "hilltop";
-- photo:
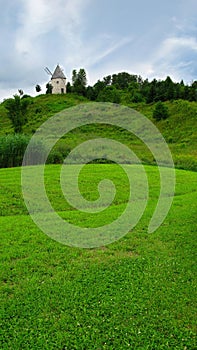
(179, 129)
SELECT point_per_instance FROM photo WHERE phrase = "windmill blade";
(47, 70)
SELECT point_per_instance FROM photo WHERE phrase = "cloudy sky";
(152, 38)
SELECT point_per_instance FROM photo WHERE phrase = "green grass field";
(136, 293)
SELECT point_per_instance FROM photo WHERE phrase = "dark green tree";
(21, 93)
(38, 88)
(74, 76)
(161, 111)
(109, 94)
(107, 80)
(122, 80)
(169, 88)
(17, 109)
(68, 87)
(186, 92)
(79, 81)
(98, 87)
(151, 95)
(193, 91)
(49, 88)
(90, 93)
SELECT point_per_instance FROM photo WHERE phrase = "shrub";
(161, 111)
(12, 149)
(185, 162)
(17, 109)
(109, 94)
(55, 157)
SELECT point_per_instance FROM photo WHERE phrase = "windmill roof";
(58, 73)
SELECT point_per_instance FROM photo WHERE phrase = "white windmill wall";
(59, 86)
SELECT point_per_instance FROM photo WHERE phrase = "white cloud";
(172, 46)
(173, 58)
(45, 25)
(42, 17)
(103, 47)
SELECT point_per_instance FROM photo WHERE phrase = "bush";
(185, 162)
(12, 149)
(109, 94)
(55, 157)
(161, 111)
(17, 109)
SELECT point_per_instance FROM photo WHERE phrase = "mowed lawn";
(136, 293)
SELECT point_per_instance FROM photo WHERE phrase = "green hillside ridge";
(179, 130)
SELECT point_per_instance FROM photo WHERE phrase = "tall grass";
(12, 149)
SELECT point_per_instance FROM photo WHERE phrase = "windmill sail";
(47, 70)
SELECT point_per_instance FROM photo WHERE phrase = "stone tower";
(58, 81)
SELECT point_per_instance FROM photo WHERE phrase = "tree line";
(128, 88)
(133, 88)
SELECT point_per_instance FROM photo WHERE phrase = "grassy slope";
(41, 108)
(137, 293)
(180, 129)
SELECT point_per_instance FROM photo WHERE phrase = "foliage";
(185, 162)
(137, 293)
(90, 93)
(38, 88)
(55, 157)
(12, 149)
(21, 93)
(25, 96)
(123, 80)
(17, 109)
(161, 111)
(139, 90)
(68, 87)
(79, 81)
(49, 88)
(109, 94)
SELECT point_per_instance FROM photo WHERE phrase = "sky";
(152, 38)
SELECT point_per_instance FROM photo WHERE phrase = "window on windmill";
(57, 81)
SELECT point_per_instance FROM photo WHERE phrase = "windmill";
(58, 80)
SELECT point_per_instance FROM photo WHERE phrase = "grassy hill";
(179, 130)
(137, 293)
(40, 108)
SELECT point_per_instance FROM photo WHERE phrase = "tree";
(161, 111)
(193, 91)
(20, 92)
(79, 81)
(170, 88)
(123, 79)
(152, 91)
(90, 93)
(68, 87)
(49, 88)
(17, 109)
(74, 76)
(38, 88)
(109, 94)
(98, 87)
(107, 80)
(82, 77)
